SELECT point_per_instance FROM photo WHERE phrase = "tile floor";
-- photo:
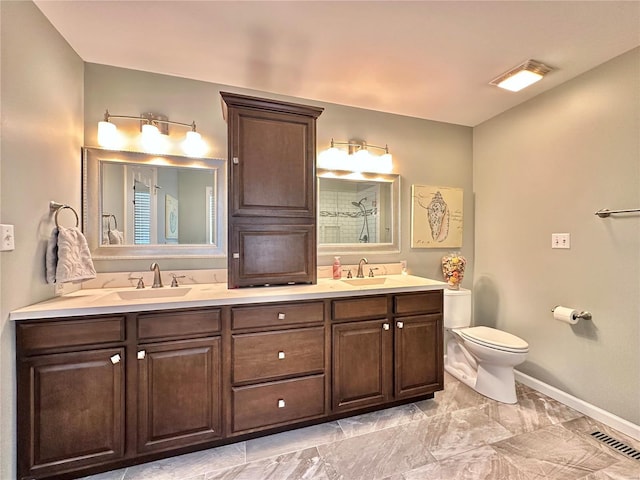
(457, 435)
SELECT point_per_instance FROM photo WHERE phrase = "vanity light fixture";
(152, 127)
(356, 159)
(522, 76)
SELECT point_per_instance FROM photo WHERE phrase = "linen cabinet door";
(178, 394)
(418, 355)
(362, 354)
(72, 411)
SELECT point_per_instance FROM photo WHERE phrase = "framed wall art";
(171, 218)
(436, 217)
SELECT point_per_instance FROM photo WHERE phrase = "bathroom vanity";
(113, 377)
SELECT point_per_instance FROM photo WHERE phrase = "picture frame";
(171, 218)
(436, 216)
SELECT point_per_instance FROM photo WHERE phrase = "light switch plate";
(7, 240)
(560, 240)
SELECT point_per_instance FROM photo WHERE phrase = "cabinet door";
(361, 364)
(70, 410)
(178, 394)
(272, 254)
(418, 355)
(272, 169)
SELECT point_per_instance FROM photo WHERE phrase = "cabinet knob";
(236, 160)
(280, 355)
(281, 316)
(115, 358)
(281, 403)
(385, 326)
(142, 354)
(400, 324)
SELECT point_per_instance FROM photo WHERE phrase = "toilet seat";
(493, 338)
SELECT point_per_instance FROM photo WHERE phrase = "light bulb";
(193, 145)
(107, 134)
(151, 139)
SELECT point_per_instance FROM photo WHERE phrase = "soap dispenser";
(337, 269)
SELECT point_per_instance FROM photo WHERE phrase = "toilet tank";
(457, 308)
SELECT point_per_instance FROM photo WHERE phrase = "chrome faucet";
(362, 261)
(157, 279)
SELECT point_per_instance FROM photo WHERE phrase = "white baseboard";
(592, 411)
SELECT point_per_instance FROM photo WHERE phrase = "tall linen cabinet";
(272, 191)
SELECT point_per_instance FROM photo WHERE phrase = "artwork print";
(171, 218)
(436, 217)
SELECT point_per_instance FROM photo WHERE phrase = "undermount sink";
(152, 293)
(365, 281)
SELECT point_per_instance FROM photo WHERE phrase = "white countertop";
(110, 300)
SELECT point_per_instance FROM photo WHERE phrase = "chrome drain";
(617, 445)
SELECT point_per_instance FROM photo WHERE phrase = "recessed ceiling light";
(521, 76)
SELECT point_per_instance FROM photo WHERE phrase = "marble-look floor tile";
(293, 440)
(375, 455)
(533, 411)
(453, 433)
(482, 463)
(554, 453)
(112, 475)
(374, 421)
(587, 425)
(455, 396)
(188, 466)
(624, 470)
(303, 465)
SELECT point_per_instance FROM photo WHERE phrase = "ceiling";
(425, 59)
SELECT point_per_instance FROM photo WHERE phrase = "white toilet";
(481, 357)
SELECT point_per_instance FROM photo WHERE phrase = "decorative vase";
(453, 269)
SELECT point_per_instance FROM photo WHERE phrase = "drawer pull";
(281, 403)
(400, 324)
(385, 326)
(142, 354)
(281, 316)
(115, 358)
(280, 355)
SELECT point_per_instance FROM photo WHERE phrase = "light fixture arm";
(355, 145)
(149, 119)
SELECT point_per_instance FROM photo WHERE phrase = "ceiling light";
(521, 76)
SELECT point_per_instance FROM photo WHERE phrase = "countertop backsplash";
(130, 279)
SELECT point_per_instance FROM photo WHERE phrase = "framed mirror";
(358, 212)
(139, 205)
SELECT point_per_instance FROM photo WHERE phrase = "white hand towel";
(116, 237)
(51, 256)
(74, 259)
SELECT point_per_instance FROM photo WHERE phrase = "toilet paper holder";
(584, 315)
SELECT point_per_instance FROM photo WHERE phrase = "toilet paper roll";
(565, 314)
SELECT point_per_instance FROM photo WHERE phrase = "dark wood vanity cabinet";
(386, 348)
(272, 191)
(102, 392)
(71, 394)
(278, 365)
(179, 379)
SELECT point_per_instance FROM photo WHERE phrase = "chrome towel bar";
(604, 212)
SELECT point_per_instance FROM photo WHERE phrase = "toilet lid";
(494, 338)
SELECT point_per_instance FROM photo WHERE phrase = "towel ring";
(59, 209)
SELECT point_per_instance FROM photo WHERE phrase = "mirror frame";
(92, 206)
(330, 249)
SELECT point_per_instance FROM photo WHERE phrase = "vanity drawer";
(277, 315)
(425, 302)
(60, 334)
(263, 356)
(275, 403)
(185, 324)
(352, 309)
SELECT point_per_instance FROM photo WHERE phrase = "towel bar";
(58, 207)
